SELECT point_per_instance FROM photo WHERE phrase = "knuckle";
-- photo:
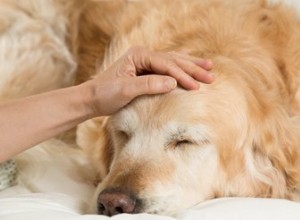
(127, 57)
(149, 83)
(175, 55)
(139, 56)
(172, 67)
(177, 60)
(153, 84)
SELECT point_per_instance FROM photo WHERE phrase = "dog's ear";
(276, 157)
(94, 138)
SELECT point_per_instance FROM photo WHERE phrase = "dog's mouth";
(114, 201)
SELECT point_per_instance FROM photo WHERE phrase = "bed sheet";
(64, 207)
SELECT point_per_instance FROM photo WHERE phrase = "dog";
(236, 137)
(165, 153)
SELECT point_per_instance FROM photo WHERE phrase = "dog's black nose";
(114, 201)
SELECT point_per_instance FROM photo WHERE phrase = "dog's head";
(235, 137)
(165, 153)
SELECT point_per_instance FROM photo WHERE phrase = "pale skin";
(28, 121)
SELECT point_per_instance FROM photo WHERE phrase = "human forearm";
(31, 120)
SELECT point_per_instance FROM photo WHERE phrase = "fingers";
(187, 70)
(147, 85)
(204, 63)
(194, 70)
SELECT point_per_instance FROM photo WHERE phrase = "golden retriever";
(162, 154)
(237, 137)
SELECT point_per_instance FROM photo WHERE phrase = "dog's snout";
(112, 202)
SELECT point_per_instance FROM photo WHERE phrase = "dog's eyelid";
(185, 141)
(182, 142)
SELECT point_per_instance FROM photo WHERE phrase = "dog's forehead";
(156, 111)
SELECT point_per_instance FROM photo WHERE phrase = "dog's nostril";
(119, 210)
(101, 208)
(114, 202)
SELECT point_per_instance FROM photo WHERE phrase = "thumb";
(151, 84)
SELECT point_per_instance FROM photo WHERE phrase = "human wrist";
(87, 92)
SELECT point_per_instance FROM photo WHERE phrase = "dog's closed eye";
(183, 142)
(186, 136)
(179, 143)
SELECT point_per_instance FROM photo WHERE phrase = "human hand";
(129, 77)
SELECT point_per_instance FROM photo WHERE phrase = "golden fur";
(235, 137)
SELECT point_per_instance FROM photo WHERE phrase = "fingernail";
(171, 83)
(211, 76)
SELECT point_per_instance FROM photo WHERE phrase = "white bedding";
(57, 190)
(63, 207)
(55, 187)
